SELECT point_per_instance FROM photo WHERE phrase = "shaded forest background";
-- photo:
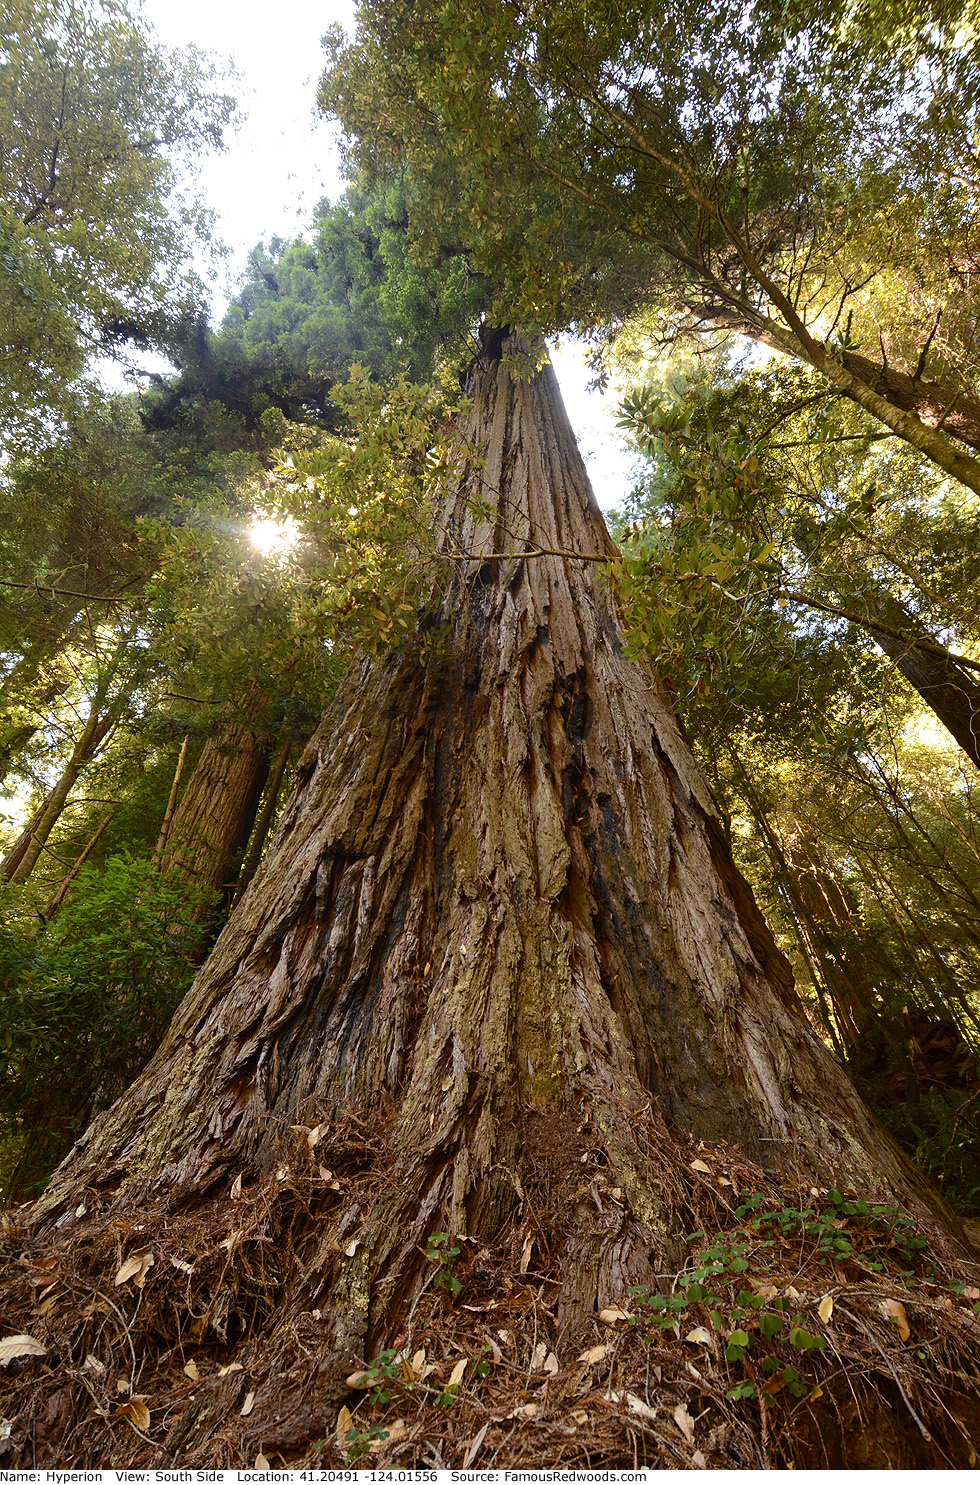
(787, 300)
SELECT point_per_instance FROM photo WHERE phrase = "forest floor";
(807, 1329)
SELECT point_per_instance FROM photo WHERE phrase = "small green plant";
(437, 1251)
(359, 1441)
(874, 1234)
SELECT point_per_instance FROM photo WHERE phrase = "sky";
(284, 159)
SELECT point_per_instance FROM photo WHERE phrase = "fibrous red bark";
(499, 902)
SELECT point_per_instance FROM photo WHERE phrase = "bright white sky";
(284, 159)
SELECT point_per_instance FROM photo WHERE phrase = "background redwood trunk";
(499, 907)
(213, 819)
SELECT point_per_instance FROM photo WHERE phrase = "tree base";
(222, 1347)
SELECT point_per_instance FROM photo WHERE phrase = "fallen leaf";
(123, 1385)
(792, 1293)
(765, 1291)
(894, 1310)
(344, 1425)
(817, 1392)
(498, 1355)
(315, 1136)
(358, 1380)
(528, 1410)
(537, 1360)
(506, 1336)
(93, 1364)
(526, 1254)
(971, 1293)
(236, 1186)
(723, 1181)
(190, 1370)
(684, 1421)
(579, 1416)
(394, 1431)
(234, 1366)
(474, 1445)
(482, 1309)
(134, 1267)
(230, 1240)
(80, 1211)
(282, 1174)
(418, 1361)
(457, 1373)
(593, 1354)
(698, 1460)
(826, 1308)
(551, 1364)
(700, 1165)
(261, 1463)
(613, 1315)
(136, 1413)
(187, 1268)
(638, 1406)
(352, 1247)
(616, 1193)
(699, 1336)
(13, 1346)
(248, 1404)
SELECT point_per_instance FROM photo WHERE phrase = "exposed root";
(218, 1345)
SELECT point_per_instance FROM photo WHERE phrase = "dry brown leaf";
(190, 1370)
(473, 1446)
(613, 1315)
(698, 1460)
(457, 1373)
(894, 1310)
(14, 1346)
(248, 1404)
(506, 1336)
(700, 1165)
(528, 1410)
(134, 1267)
(638, 1406)
(315, 1136)
(136, 1413)
(498, 1355)
(699, 1336)
(344, 1425)
(551, 1364)
(186, 1268)
(579, 1416)
(537, 1360)
(792, 1293)
(352, 1247)
(358, 1380)
(971, 1293)
(80, 1211)
(684, 1421)
(93, 1364)
(418, 1361)
(123, 1385)
(594, 1354)
(526, 1252)
(261, 1463)
(394, 1431)
(231, 1240)
(234, 1366)
(826, 1308)
(236, 1186)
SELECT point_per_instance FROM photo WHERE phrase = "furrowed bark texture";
(214, 817)
(499, 894)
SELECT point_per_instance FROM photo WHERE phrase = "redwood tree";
(499, 908)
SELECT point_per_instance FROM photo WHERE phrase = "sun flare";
(273, 537)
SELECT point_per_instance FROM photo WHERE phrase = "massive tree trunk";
(499, 915)
(216, 812)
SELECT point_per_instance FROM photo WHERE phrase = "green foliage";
(94, 238)
(438, 1251)
(83, 1003)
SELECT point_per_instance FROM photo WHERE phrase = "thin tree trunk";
(59, 896)
(944, 686)
(168, 813)
(24, 855)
